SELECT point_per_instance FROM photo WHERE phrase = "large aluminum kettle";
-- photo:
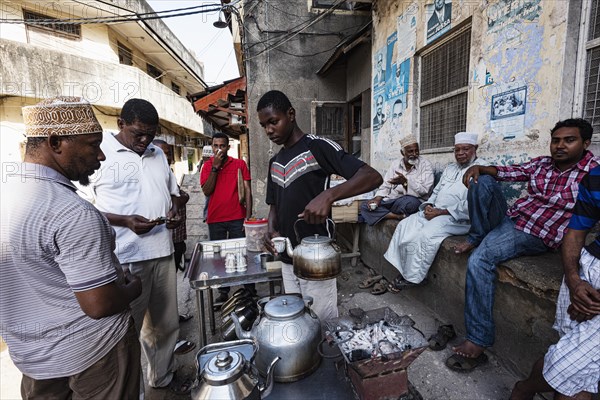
(317, 257)
(226, 372)
(289, 329)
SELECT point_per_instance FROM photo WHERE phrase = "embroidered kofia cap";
(466, 138)
(408, 140)
(207, 151)
(61, 116)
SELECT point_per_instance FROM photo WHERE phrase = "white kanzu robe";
(417, 240)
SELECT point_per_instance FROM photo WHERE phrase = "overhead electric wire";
(119, 18)
(294, 34)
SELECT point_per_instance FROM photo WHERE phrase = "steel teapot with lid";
(289, 329)
(226, 372)
(317, 257)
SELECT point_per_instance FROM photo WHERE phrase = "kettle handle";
(331, 236)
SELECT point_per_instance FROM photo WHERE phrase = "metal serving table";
(206, 271)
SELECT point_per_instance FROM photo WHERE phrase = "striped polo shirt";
(54, 243)
(587, 209)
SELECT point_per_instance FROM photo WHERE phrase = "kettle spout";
(241, 334)
(289, 248)
(265, 389)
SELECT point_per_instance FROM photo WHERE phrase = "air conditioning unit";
(236, 106)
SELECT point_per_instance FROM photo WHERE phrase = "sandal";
(379, 288)
(183, 346)
(400, 283)
(444, 334)
(370, 281)
(183, 387)
(185, 317)
(460, 363)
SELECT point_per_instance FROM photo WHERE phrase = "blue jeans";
(501, 244)
(487, 207)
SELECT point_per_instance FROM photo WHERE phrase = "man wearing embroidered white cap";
(418, 237)
(407, 183)
(64, 299)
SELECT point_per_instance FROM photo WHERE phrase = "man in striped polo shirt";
(64, 300)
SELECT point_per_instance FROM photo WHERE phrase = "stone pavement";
(428, 373)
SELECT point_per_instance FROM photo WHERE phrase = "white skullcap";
(408, 140)
(466, 138)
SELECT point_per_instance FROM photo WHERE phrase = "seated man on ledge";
(571, 367)
(406, 185)
(531, 226)
(418, 237)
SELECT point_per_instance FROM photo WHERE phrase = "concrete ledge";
(525, 295)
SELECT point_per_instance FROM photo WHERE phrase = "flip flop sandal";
(459, 363)
(444, 334)
(370, 281)
(183, 346)
(185, 317)
(183, 387)
(379, 288)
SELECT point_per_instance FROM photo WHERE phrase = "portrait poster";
(407, 30)
(379, 73)
(439, 17)
(507, 114)
(390, 64)
(378, 110)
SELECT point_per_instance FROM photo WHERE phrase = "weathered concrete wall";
(290, 68)
(525, 294)
(515, 44)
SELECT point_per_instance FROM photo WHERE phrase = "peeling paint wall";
(517, 47)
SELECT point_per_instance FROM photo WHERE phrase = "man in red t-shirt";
(219, 180)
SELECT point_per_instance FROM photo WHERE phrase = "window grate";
(330, 121)
(440, 121)
(445, 70)
(70, 30)
(154, 72)
(594, 32)
(175, 87)
(591, 110)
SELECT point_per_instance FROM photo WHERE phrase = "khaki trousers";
(114, 376)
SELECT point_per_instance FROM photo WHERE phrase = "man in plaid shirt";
(534, 224)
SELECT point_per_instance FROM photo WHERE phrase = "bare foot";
(463, 247)
(399, 217)
(468, 349)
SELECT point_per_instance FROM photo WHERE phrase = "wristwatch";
(214, 169)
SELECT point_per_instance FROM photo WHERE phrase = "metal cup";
(264, 259)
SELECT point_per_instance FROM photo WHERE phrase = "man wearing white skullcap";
(407, 183)
(64, 300)
(535, 223)
(417, 238)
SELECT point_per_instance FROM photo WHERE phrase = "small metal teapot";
(289, 329)
(226, 372)
(317, 257)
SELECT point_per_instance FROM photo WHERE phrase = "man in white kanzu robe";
(418, 237)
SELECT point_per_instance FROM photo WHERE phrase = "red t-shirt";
(224, 204)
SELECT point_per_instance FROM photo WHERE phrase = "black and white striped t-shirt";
(54, 243)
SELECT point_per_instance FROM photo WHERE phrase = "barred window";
(154, 72)
(444, 86)
(591, 106)
(175, 87)
(329, 121)
(70, 30)
(125, 55)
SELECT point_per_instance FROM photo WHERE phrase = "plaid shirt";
(546, 210)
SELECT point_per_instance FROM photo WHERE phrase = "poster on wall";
(379, 74)
(378, 115)
(507, 114)
(504, 13)
(439, 16)
(407, 30)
